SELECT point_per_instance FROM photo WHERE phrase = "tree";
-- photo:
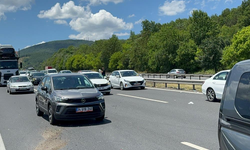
(239, 49)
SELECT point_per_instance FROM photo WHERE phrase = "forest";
(196, 44)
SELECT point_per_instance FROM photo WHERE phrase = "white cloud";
(226, 1)
(139, 21)
(101, 25)
(203, 3)
(98, 2)
(172, 8)
(130, 16)
(13, 6)
(191, 11)
(68, 11)
(60, 22)
(122, 34)
(34, 44)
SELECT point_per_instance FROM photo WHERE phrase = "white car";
(213, 87)
(51, 71)
(23, 73)
(124, 79)
(19, 84)
(98, 80)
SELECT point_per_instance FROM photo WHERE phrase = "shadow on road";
(81, 123)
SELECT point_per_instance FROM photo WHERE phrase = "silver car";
(18, 84)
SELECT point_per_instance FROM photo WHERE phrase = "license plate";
(137, 84)
(84, 109)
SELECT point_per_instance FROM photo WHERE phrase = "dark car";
(69, 97)
(36, 77)
(234, 115)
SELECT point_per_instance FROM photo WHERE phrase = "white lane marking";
(180, 91)
(148, 99)
(193, 146)
(2, 147)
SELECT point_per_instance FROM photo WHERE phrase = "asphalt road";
(149, 119)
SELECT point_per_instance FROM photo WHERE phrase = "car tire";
(211, 96)
(38, 111)
(52, 119)
(10, 91)
(107, 93)
(100, 118)
(143, 87)
(121, 86)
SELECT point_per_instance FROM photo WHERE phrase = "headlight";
(59, 99)
(100, 97)
(30, 85)
(126, 80)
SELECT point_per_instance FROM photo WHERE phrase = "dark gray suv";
(234, 117)
(69, 97)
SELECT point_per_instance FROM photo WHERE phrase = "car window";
(128, 73)
(221, 76)
(71, 82)
(242, 100)
(52, 71)
(42, 83)
(113, 73)
(48, 83)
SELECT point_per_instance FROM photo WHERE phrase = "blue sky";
(25, 23)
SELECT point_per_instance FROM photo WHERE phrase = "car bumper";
(104, 89)
(66, 111)
(22, 90)
(129, 85)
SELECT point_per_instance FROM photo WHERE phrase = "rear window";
(242, 100)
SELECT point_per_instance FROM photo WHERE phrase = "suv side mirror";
(44, 88)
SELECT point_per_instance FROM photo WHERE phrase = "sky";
(25, 23)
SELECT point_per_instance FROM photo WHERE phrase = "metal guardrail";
(174, 76)
(175, 81)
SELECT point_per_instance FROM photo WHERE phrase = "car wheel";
(142, 87)
(38, 111)
(211, 95)
(52, 119)
(7, 91)
(121, 86)
(10, 91)
(107, 93)
(100, 118)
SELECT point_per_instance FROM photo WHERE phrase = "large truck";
(8, 63)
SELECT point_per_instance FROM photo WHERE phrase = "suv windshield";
(94, 75)
(8, 65)
(128, 73)
(71, 82)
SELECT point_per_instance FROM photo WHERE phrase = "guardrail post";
(154, 84)
(179, 86)
(166, 85)
(193, 87)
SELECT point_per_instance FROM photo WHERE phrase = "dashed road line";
(143, 98)
(2, 147)
(171, 90)
(193, 146)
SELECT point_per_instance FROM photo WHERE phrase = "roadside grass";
(186, 87)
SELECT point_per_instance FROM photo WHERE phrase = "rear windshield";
(38, 74)
(52, 71)
(94, 75)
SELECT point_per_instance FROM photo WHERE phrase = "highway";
(150, 119)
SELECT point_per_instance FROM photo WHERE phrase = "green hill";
(33, 56)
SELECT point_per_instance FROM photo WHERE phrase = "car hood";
(78, 93)
(99, 81)
(133, 78)
(21, 83)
